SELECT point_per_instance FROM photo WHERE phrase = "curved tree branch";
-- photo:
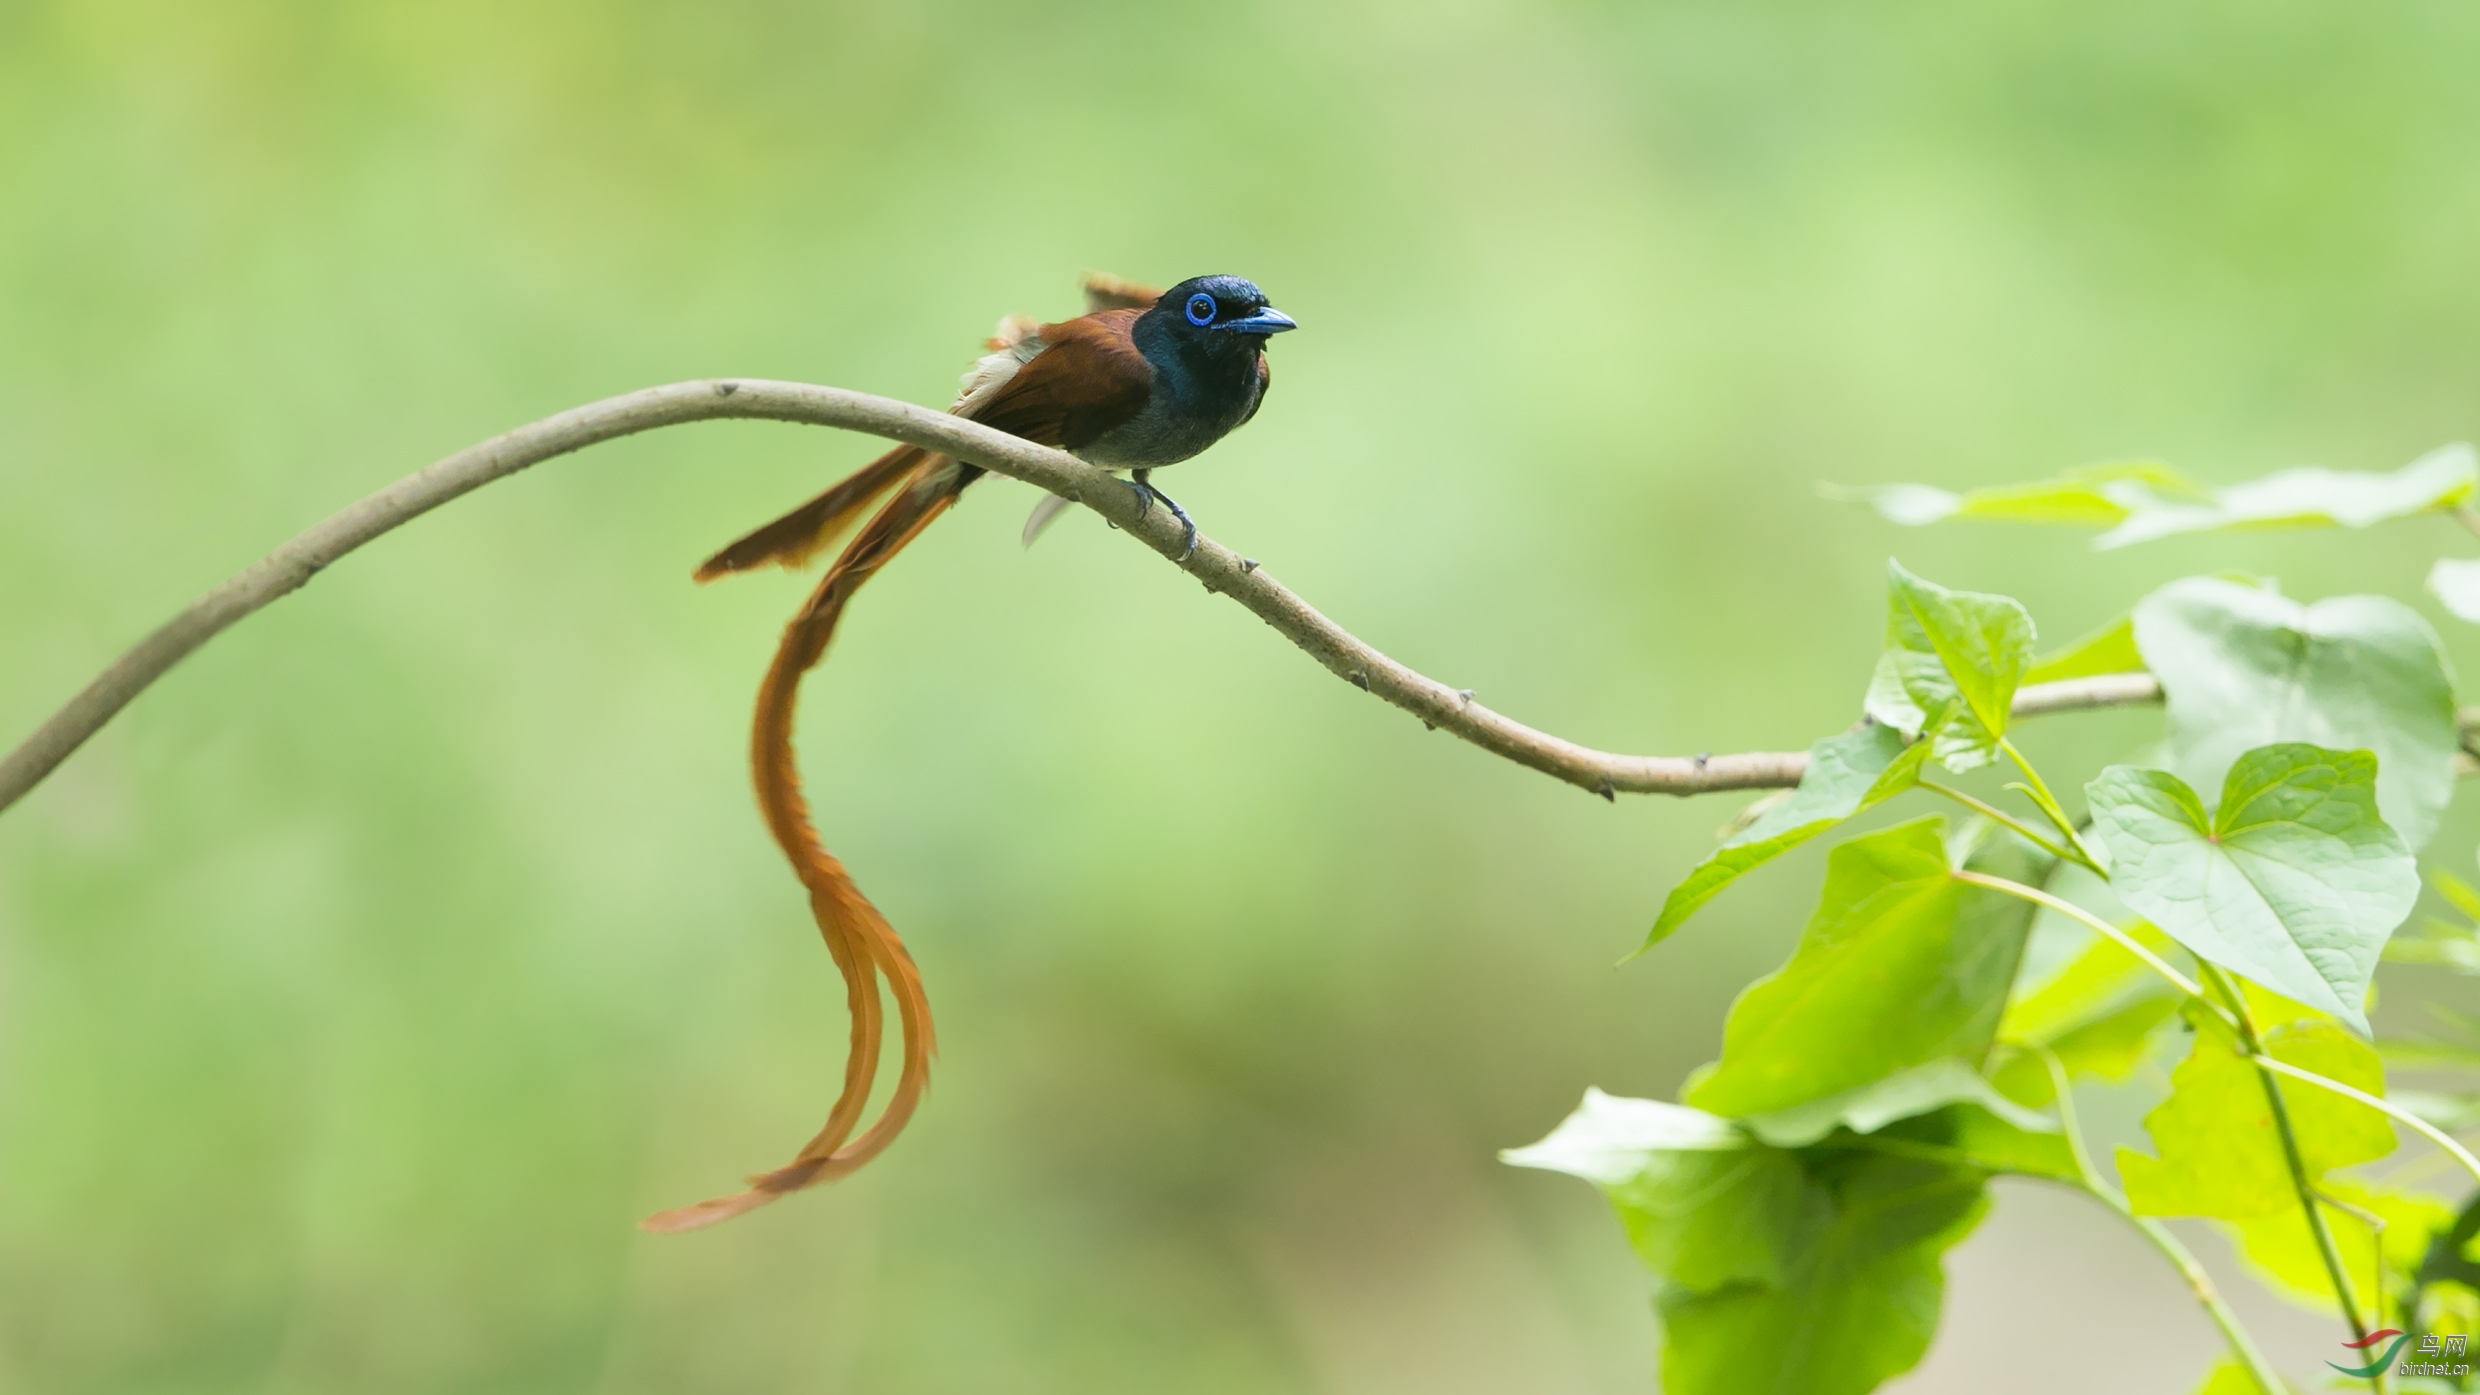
(291, 566)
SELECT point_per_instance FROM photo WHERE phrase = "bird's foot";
(1147, 494)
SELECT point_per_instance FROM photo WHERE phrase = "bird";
(1146, 378)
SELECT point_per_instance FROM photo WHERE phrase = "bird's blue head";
(1221, 305)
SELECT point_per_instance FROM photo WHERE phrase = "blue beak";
(1266, 321)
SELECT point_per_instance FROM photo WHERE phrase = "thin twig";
(2445, 1141)
(2296, 1163)
(2062, 1089)
(2469, 517)
(2099, 926)
(2234, 1333)
(291, 566)
(2006, 820)
(2038, 792)
(2200, 1284)
(2376, 1243)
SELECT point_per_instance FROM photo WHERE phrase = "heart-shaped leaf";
(1846, 775)
(1950, 667)
(2293, 882)
(1901, 965)
(2244, 667)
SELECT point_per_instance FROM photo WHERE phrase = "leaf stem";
(2038, 789)
(2199, 1283)
(2469, 517)
(2444, 1141)
(2064, 1089)
(2295, 1161)
(2111, 932)
(2233, 1013)
(2376, 1235)
(1999, 816)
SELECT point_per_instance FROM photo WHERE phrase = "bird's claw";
(1147, 494)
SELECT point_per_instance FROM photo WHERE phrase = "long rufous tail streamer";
(863, 945)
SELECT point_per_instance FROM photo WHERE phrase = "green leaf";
(2271, 1009)
(2284, 1254)
(1857, 1286)
(2109, 1047)
(2447, 1307)
(2455, 583)
(1983, 1140)
(1610, 1138)
(1888, 705)
(2091, 985)
(1867, 1108)
(2294, 882)
(1846, 775)
(2091, 496)
(2110, 649)
(1703, 1206)
(1956, 657)
(2311, 498)
(1910, 504)
(1703, 1221)
(2141, 500)
(2219, 1154)
(2449, 1258)
(1838, 1245)
(2243, 667)
(1901, 965)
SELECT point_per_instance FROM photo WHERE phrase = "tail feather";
(862, 943)
(792, 540)
(1104, 291)
(1046, 511)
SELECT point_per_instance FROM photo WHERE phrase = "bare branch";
(291, 566)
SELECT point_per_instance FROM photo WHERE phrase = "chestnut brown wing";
(1088, 379)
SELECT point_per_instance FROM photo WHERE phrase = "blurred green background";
(364, 984)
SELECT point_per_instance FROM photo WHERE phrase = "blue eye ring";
(1200, 309)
